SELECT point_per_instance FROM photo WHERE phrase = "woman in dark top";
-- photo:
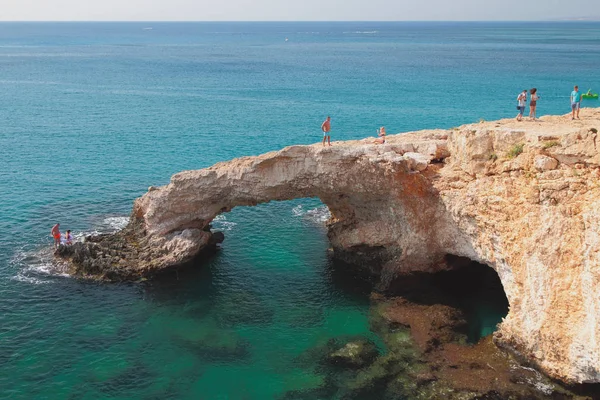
(533, 103)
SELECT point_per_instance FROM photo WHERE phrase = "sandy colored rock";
(544, 163)
(475, 191)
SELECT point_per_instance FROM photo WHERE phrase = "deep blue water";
(91, 114)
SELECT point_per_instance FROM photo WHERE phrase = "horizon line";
(567, 19)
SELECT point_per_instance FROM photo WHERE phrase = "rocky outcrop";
(355, 354)
(521, 197)
(428, 357)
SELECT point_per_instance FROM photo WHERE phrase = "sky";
(295, 10)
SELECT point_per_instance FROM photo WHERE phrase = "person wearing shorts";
(326, 128)
(575, 102)
(521, 101)
(55, 232)
(534, 97)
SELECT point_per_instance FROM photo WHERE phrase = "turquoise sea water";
(93, 113)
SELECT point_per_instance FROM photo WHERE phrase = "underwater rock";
(355, 354)
(433, 360)
(216, 346)
(333, 352)
(430, 325)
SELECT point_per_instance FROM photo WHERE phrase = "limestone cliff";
(521, 197)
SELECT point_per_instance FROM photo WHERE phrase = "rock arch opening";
(472, 288)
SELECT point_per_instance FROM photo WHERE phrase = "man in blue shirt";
(575, 102)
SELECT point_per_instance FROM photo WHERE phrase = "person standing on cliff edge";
(521, 101)
(575, 102)
(326, 128)
(55, 232)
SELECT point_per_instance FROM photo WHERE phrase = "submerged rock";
(428, 358)
(354, 354)
(209, 343)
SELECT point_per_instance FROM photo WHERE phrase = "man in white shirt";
(521, 100)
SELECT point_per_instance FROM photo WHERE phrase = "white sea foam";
(36, 266)
(220, 223)
(318, 215)
(298, 210)
(29, 279)
(116, 223)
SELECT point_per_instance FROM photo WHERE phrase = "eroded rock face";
(373, 193)
(497, 198)
(539, 231)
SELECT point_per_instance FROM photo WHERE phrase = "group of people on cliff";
(522, 101)
(60, 239)
(522, 98)
(576, 97)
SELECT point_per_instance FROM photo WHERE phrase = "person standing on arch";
(326, 128)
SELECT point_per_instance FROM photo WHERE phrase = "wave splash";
(220, 223)
(318, 215)
(38, 266)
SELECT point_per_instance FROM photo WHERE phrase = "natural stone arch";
(384, 210)
(536, 224)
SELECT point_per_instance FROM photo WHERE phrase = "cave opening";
(474, 289)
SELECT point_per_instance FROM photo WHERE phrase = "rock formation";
(521, 197)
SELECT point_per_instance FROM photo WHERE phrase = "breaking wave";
(39, 266)
(220, 223)
(318, 215)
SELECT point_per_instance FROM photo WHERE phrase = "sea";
(92, 114)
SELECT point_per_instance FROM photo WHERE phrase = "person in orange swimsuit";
(55, 232)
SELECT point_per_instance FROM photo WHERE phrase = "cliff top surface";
(548, 125)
